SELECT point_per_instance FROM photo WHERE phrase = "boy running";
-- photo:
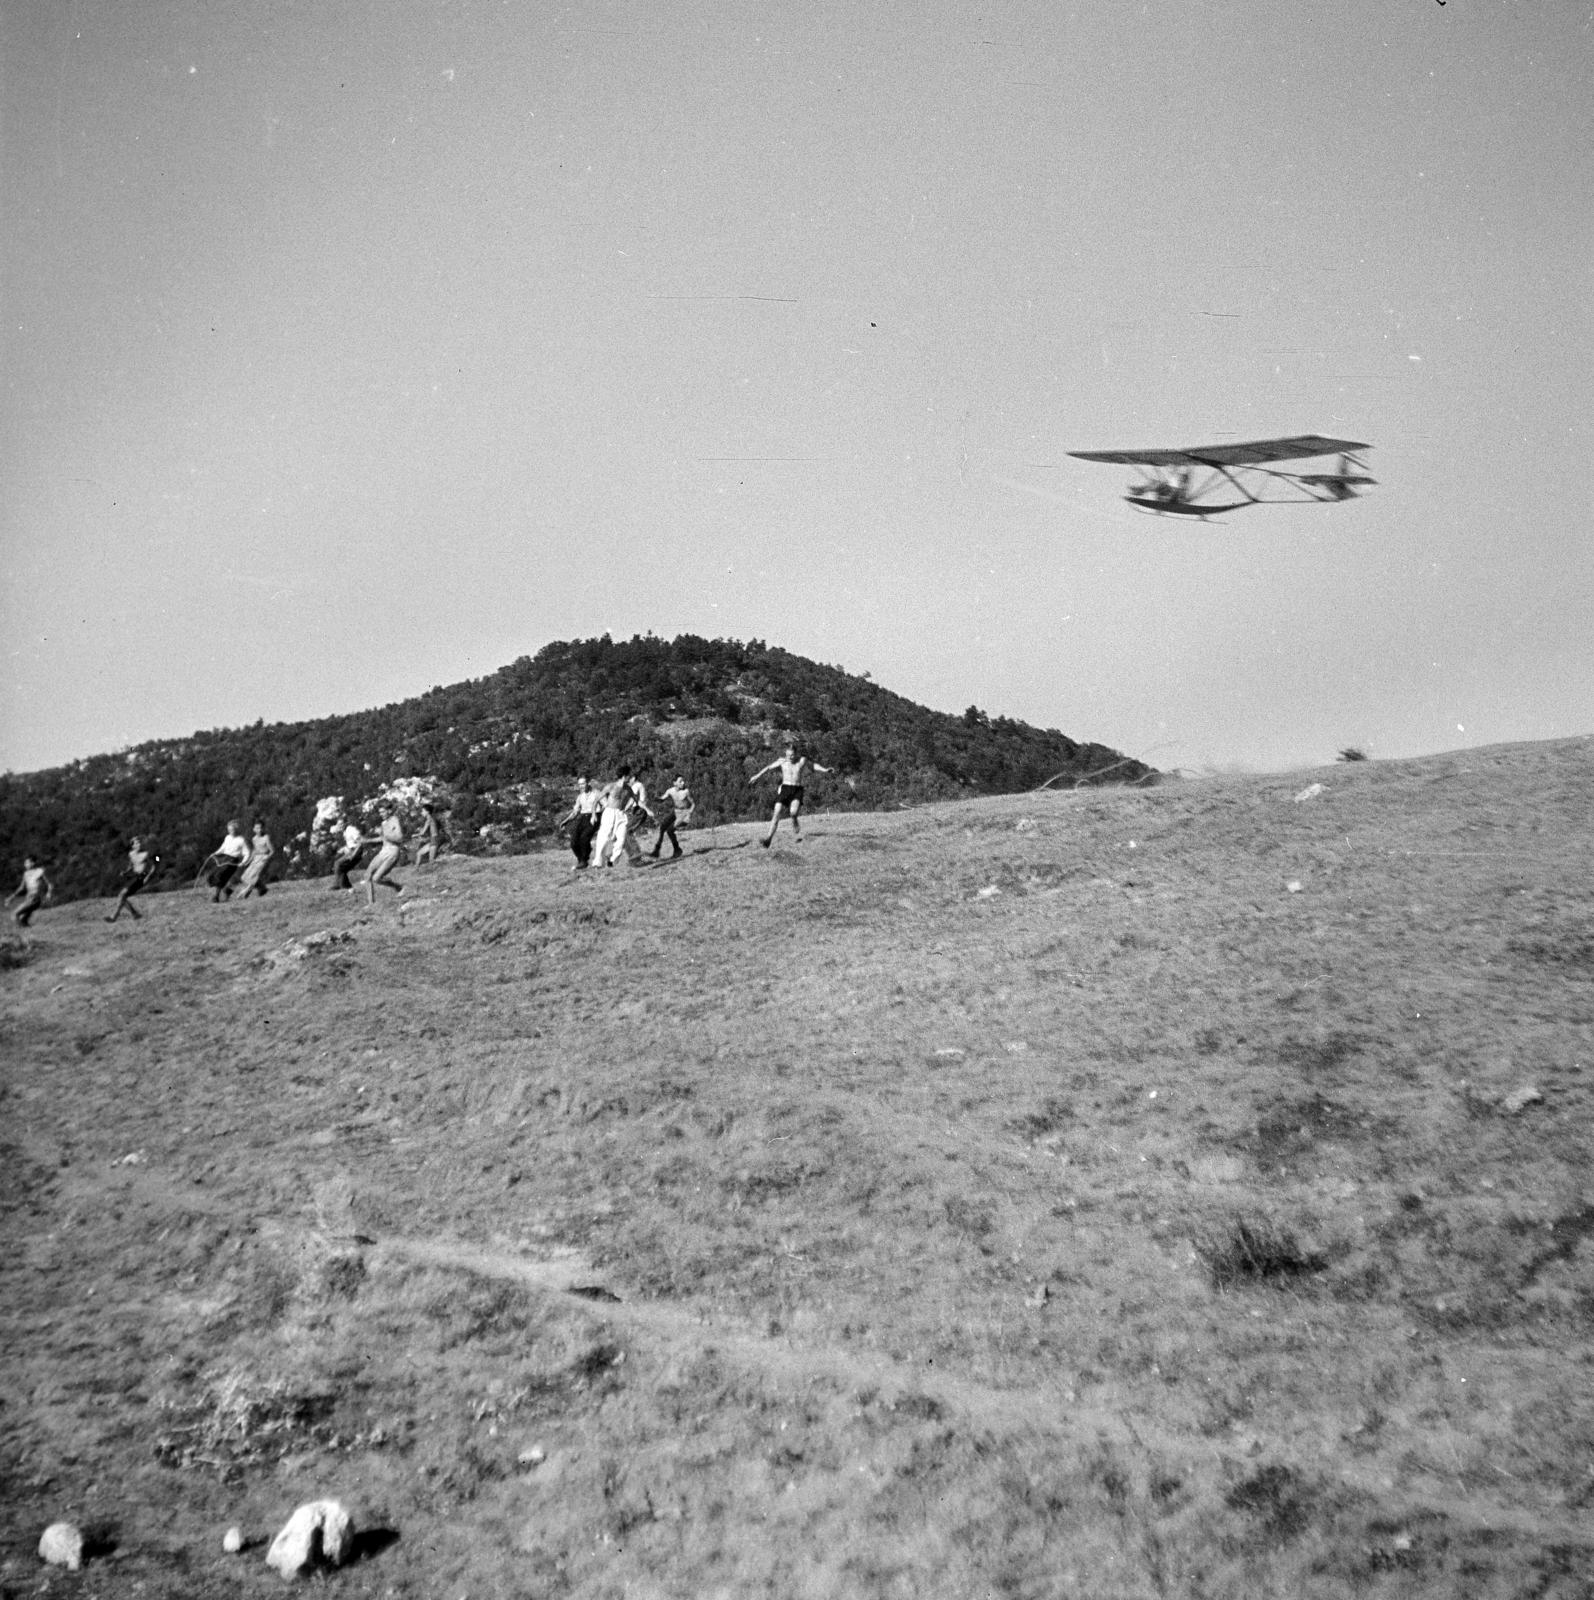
(261, 850)
(618, 799)
(228, 862)
(384, 861)
(675, 811)
(348, 858)
(141, 866)
(582, 820)
(789, 800)
(431, 836)
(33, 891)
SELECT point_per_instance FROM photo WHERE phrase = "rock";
(989, 892)
(320, 1530)
(1310, 792)
(232, 1541)
(61, 1545)
(1024, 825)
(1217, 1169)
(1293, 886)
(1514, 1102)
(534, 1457)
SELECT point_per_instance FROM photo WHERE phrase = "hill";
(499, 754)
(1128, 1193)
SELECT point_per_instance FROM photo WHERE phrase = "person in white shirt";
(228, 862)
(582, 820)
(354, 842)
(638, 818)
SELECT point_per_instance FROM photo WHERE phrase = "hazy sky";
(351, 350)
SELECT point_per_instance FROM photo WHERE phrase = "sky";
(346, 351)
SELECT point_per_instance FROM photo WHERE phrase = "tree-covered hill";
(498, 756)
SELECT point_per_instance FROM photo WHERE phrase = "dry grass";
(830, 1226)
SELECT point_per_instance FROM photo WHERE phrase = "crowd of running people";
(605, 825)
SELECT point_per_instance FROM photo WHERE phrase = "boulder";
(61, 1545)
(320, 1531)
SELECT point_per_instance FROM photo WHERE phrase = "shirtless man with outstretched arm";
(789, 800)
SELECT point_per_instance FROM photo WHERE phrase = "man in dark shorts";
(789, 799)
(141, 866)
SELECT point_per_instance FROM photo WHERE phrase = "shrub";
(1257, 1252)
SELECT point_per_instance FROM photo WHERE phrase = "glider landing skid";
(1180, 482)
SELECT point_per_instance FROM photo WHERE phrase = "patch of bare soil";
(1170, 1192)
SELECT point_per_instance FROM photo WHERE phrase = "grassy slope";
(914, 1199)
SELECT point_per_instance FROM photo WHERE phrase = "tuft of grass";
(1257, 1251)
(1561, 947)
(1052, 1116)
(241, 1420)
(1278, 1497)
(14, 952)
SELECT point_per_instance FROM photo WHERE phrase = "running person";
(228, 862)
(141, 867)
(348, 858)
(638, 818)
(675, 812)
(261, 850)
(384, 861)
(33, 891)
(789, 800)
(430, 837)
(615, 823)
(582, 819)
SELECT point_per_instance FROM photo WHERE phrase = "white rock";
(321, 1528)
(534, 1457)
(1527, 1095)
(1310, 792)
(1293, 886)
(61, 1545)
(989, 892)
(232, 1541)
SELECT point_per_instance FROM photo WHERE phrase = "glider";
(1172, 486)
